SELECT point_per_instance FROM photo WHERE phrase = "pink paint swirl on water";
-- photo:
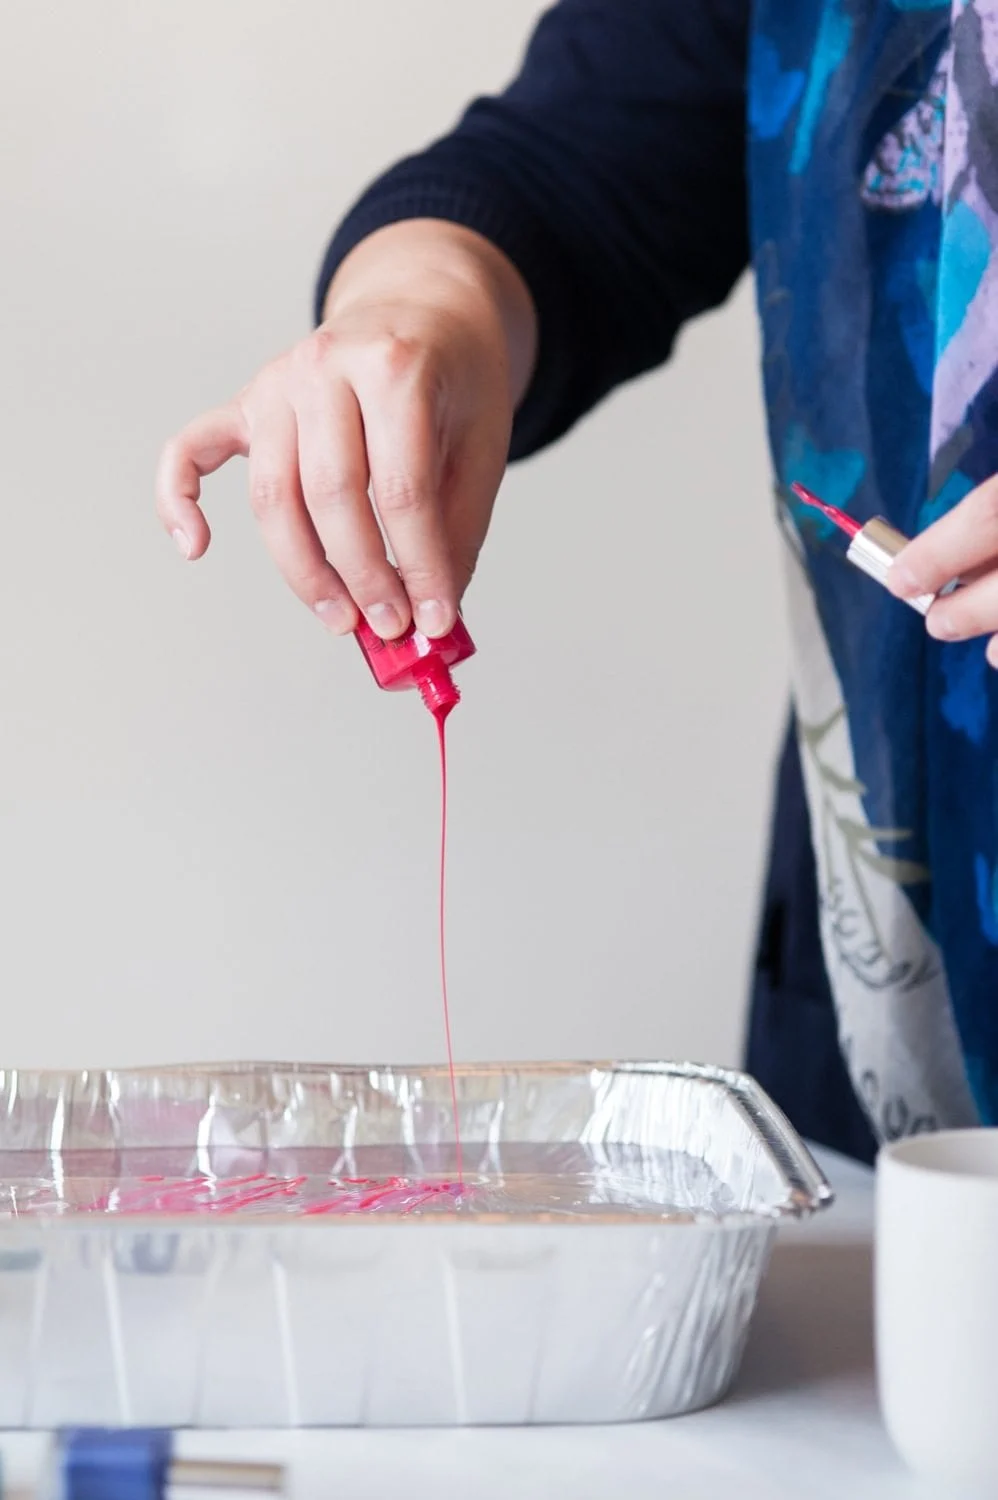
(293, 1195)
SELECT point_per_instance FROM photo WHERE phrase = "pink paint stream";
(441, 719)
(207, 1194)
(301, 1194)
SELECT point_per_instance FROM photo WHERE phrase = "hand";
(962, 544)
(407, 390)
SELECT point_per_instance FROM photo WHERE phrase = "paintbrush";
(873, 545)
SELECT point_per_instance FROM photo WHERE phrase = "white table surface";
(802, 1421)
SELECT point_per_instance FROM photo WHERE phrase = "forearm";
(462, 274)
(610, 174)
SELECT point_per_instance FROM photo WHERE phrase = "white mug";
(937, 1304)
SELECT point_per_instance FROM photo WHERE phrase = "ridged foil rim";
(808, 1191)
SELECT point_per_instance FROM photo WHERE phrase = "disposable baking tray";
(282, 1245)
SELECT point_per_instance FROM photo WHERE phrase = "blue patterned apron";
(873, 162)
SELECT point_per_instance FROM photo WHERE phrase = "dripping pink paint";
(413, 661)
(424, 663)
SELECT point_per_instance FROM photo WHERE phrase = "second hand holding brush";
(873, 547)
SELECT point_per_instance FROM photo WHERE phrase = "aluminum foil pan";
(278, 1245)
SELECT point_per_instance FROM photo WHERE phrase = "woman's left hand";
(964, 545)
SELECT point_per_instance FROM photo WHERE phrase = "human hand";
(407, 390)
(962, 544)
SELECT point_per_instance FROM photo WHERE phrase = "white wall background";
(216, 838)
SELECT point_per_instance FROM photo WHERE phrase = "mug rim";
(905, 1155)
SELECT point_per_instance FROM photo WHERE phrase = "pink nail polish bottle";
(415, 660)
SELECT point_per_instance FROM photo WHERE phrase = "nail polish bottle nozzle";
(418, 661)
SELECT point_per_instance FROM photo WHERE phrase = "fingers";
(203, 446)
(963, 545)
(333, 464)
(287, 529)
(963, 540)
(401, 402)
(469, 498)
(405, 483)
(969, 611)
(419, 418)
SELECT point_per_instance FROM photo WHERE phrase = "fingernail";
(992, 652)
(334, 615)
(384, 620)
(941, 625)
(182, 542)
(903, 582)
(431, 617)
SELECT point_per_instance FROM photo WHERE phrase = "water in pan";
(514, 1178)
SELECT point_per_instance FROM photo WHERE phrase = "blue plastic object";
(128, 1463)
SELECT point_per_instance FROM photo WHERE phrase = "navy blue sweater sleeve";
(612, 173)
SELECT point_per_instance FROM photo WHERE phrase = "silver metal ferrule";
(873, 551)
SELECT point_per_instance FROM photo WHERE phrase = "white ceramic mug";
(937, 1304)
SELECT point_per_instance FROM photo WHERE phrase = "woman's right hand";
(405, 392)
